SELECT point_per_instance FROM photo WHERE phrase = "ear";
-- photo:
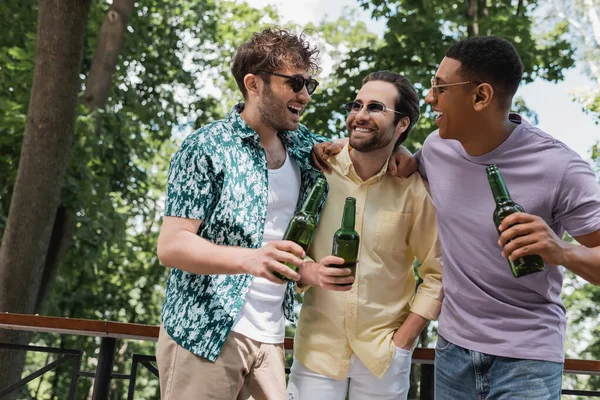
(483, 96)
(253, 84)
(402, 126)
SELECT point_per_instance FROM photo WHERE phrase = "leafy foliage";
(419, 32)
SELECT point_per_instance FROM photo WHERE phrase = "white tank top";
(261, 317)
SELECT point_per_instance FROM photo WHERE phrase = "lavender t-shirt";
(485, 308)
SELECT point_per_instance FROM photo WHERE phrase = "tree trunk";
(110, 41)
(472, 26)
(62, 231)
(482, 9)
(44, 155)
(519, 8)
(97, 88)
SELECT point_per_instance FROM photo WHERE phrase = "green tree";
(419, 32)
(42, 165)
(129, 108)
(582, 20)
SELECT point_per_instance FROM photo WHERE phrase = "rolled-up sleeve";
(423, 239)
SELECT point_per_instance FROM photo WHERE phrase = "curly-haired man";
(232, 188)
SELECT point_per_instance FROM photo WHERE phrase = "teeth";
(438, 113)
(363, 130)
(295, 108)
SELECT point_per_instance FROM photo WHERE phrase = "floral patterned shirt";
(219, 176)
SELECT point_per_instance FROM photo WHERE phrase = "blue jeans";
(466, 374)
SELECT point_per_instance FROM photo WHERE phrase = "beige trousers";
(245, 370)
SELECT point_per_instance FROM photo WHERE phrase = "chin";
(444, 134)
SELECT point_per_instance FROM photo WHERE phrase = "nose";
(362, 115)
(303, 94)
(429, 99)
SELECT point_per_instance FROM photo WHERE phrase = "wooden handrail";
(76, 326)
(121, 330)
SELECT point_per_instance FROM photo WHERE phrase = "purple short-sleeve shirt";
(485, 308)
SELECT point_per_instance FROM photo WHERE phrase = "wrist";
(569, 254)
(239, 258)
(307, 274)
(407, 335)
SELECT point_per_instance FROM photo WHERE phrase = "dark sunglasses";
(297, 82)
(372, 108)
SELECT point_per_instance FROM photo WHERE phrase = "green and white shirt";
(219, 175)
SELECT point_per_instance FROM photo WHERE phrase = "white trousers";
(361, 384)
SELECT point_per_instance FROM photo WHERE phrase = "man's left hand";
(402, 163)
(525, 234)
(403, 339)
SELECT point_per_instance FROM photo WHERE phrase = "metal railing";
(109, 332)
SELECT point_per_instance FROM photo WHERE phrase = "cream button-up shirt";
(395, 219)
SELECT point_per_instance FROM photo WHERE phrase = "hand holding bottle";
(326, 276)
(269, 260)
(525, 234)
(505, 206)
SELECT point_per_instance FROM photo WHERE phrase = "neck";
(367, 165)
(488, 134)
(251, 115)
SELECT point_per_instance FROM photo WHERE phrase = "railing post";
(133, 377)
(75, 375)
(104, 369)
(426, 391)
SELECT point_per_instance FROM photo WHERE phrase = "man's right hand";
(321, 152)
(267, 260)
(329, 278)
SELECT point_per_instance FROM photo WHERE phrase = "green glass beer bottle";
(504, 207)
(301, 228)
(346, 240)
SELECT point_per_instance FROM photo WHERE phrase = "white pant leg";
(305, 384)
(394, 384)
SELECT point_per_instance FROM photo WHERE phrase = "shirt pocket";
(391, 232)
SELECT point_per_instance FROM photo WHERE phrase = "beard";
(272, 112)
(378, 141)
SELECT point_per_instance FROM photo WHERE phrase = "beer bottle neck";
(349, 214)
(311, 204)
(499, 190)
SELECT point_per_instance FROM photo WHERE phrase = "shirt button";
(351, 315)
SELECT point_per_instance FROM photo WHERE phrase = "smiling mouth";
(362, 130)
(294, 110)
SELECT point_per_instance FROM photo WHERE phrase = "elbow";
(164, 251)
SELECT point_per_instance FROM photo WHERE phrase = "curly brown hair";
(272, 49)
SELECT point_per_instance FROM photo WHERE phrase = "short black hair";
(489, 59)
(407, 101)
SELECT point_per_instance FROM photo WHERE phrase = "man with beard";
(232, 188)
(357, 339)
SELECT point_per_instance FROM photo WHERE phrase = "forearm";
(410, 330)
(188, 252)
(583, 261)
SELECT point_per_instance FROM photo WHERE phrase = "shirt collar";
(345, 163)
(240, 126)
